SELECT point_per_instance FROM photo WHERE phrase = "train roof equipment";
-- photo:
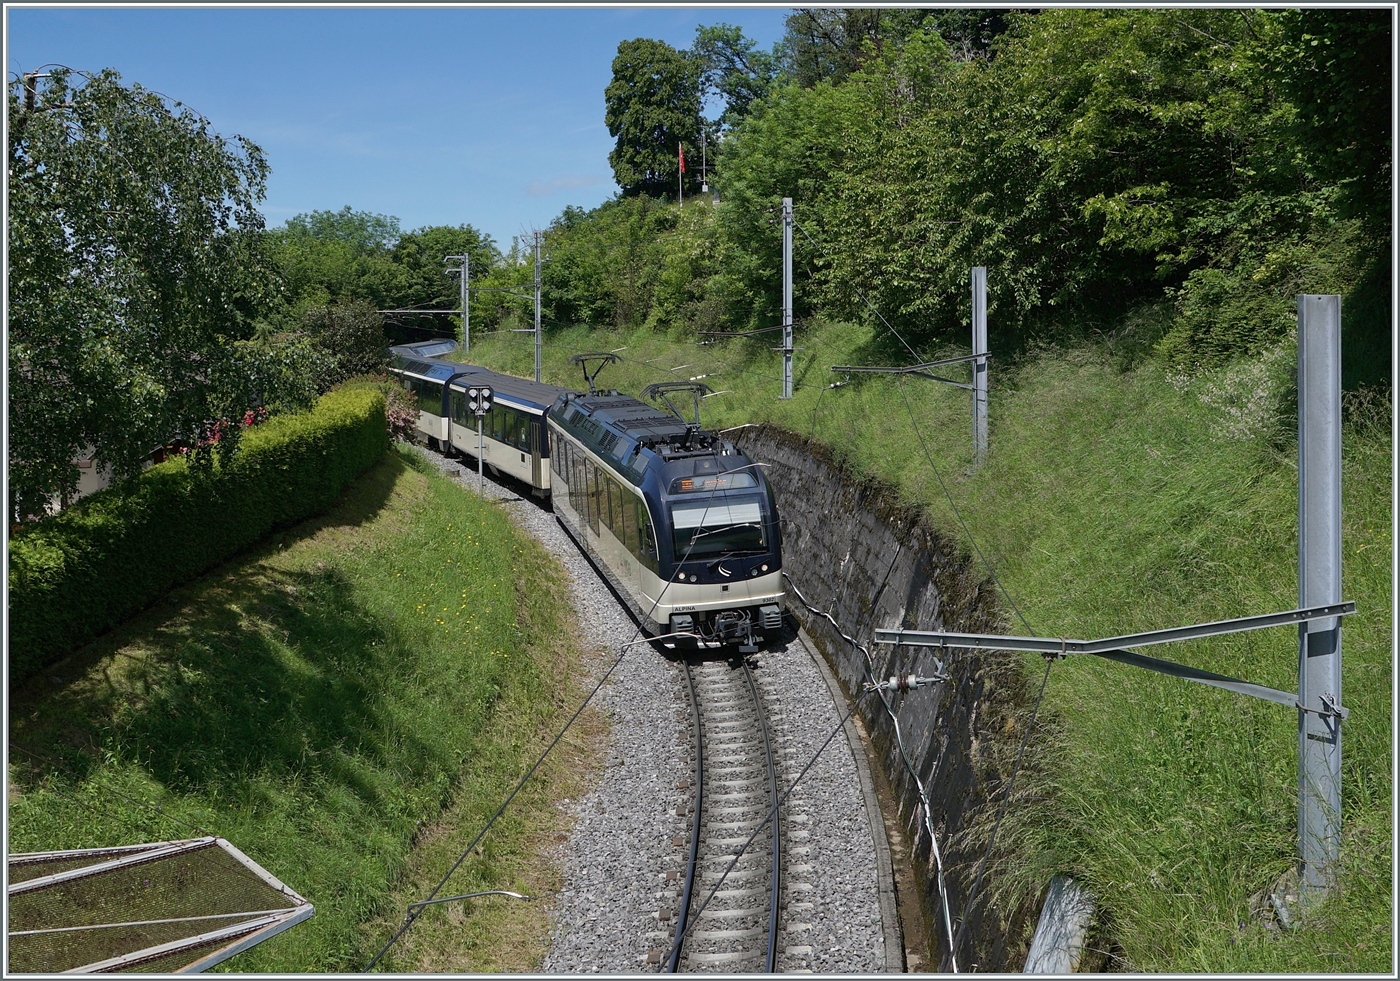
(619, 428)
(604, 358)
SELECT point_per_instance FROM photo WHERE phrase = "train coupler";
(734, 625)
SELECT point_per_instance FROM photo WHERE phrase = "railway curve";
(624, 861)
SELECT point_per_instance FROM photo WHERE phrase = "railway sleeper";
(723, 894)
(747, 934)
(735, 843)
(735, 914)
(741, 826)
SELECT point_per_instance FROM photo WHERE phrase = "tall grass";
(1117, 498)
(359, 685)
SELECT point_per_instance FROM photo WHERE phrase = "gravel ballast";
(624, 833)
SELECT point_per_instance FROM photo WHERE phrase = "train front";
(721, 550)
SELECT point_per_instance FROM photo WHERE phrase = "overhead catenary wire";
(991, 570)
(869, 667)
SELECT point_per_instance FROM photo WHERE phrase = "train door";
(536, 456)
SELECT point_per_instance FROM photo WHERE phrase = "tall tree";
(135, 265)
(653, 108)
(345, 254)
(734, 68)
(1335, 66)
(420, 254)
(831, 43)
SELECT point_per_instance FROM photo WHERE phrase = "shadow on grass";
(260, 671)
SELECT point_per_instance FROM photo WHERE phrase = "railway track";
(727, 916)
(627, 860)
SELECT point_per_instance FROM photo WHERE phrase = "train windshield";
(705, 530)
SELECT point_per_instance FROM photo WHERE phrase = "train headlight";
(692, 578)
(765, 567)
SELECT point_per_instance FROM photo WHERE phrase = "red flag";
(681, 149)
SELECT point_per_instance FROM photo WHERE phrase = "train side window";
(581, 502)
(593, 512)
(459, 408)
(578, 489)
(647, 536)
(615, 500)
(430, 398)
(600, 496)
(629, 523)
(560, 467)
(496, 420)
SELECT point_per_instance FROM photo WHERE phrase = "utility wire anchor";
(906, 682)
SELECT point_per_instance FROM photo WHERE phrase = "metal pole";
(704, 160)
(463, 272)
(680, 174)
(787, 298)
(537, 305)
(1319, 582)
(480, 464)
(979, 367)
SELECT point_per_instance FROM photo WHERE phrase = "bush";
(350, 334)
(400, 408)
(98, 563)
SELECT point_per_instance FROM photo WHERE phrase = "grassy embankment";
(1117, 499)
(347, 703)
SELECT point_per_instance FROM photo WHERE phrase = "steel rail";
(683, 915)
(688, 916)
(775, 894)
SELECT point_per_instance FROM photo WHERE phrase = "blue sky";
(436, 115)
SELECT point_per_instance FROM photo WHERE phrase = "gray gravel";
(623, 840)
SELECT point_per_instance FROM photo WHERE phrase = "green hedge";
(88, 568)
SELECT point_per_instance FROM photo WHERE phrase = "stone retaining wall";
(859, 554)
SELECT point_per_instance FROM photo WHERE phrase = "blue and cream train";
(683, 525)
